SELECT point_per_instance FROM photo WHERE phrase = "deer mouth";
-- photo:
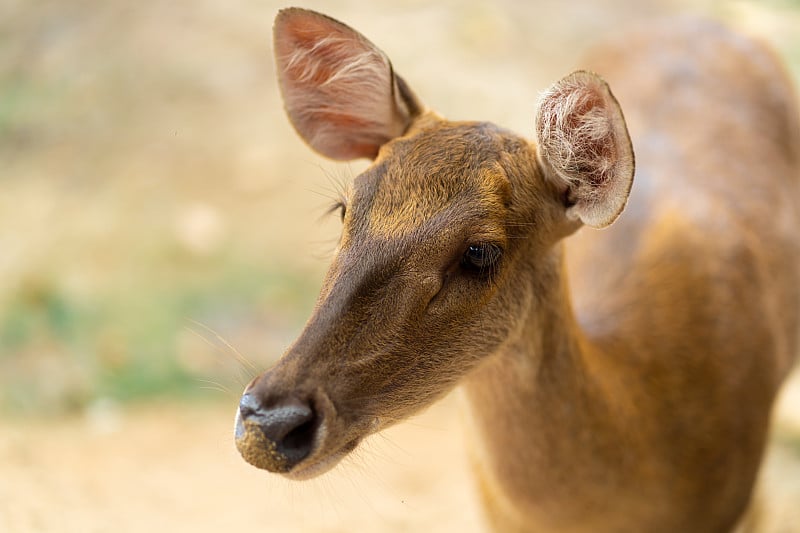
(316, 467)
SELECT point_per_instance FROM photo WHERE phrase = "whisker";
(216, 389)
(239, 357)
(214, 385)
(396, 447)
(338, 184)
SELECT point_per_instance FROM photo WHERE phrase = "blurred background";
(163, 234)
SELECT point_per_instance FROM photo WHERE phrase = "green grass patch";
(60, 351)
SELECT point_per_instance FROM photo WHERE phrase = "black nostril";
(291, 425)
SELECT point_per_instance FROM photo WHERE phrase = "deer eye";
(481, 258)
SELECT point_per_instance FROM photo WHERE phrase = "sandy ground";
(174, 468)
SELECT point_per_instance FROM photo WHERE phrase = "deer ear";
(584, 146)
(339, 90)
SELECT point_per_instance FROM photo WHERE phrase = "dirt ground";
(174, 468)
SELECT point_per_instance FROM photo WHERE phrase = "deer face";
(443, 238)
(412, 301)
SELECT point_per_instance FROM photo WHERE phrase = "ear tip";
(286, 15)
(286, 12)
(586, 74)
(293, 25)
(283, 20)
(289, 19)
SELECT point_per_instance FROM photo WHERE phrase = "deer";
(617, 378)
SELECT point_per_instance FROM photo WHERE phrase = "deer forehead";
(450, 174)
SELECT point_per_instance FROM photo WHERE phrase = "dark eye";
(481, 258)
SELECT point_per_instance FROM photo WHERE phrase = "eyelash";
(481, 258)
(339, 206)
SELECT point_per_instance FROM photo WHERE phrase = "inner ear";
(585, 147)
(339, 89)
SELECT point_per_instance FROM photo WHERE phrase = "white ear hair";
(338, 88)
(584, 146)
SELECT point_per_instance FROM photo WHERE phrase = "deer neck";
(539, 418)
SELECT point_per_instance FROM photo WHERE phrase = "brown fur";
(622, 382)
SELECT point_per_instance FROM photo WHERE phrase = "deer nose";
(289, 426)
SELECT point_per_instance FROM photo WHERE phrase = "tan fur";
(617, 380)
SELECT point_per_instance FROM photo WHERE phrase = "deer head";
(447, 239)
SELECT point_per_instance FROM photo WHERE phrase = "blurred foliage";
(59, 352)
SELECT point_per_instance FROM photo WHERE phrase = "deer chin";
(321, 462)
